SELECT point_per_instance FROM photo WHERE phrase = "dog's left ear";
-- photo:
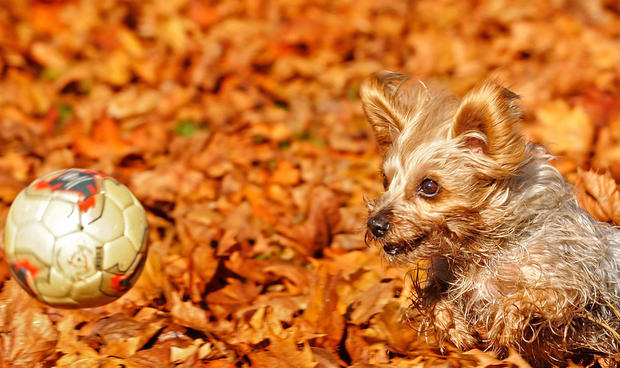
(487, 117)
(382, 100)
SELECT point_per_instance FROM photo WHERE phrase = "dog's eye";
(428, 188)
(386, 183)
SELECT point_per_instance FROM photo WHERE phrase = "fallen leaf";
(572, 138)
(283, 353)
(187, 314)
(285, 174)
(121, 335)
(28, 336)
(599, 195)
(322, 309)
(371, 302)
(317, 231)
(390, 327)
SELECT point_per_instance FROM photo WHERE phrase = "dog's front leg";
(519, 317)
(451, 324)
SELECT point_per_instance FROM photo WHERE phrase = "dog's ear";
(383, 104)
(487, 117)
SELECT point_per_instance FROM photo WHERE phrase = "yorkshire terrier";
(512, 261)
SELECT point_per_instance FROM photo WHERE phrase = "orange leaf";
(356, 345)
(186, 313)
(105, 140)
(286, 174)
(121, 335)
(317, 231)
(572, 138)
(598, 194)
(372, 302)
(25, 345)
(203, 13)
(283, 353)
(322, 311)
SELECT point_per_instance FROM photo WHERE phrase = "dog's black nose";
(378, 225)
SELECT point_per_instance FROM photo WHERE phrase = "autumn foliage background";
(238, 125)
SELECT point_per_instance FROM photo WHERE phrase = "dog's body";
(514, 262)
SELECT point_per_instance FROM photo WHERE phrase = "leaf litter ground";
(238, 125)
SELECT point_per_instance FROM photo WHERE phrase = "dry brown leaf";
(371, 302)
(121, 335)
(356, 345)
(389, 326)
(599, 195)
(317, 231)
(568, 132)
(326, 358)
(282, 308)
(72, 347)
(607, 150)
(283, 353)
(322, 311)
(285, 174)
(9, 187)
(485, 359)
(186, 313)
(30, 337)
(229, 298)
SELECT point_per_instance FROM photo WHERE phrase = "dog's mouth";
(394, 249)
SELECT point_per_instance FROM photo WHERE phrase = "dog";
(511, 260)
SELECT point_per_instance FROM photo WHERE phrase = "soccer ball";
(76, 238)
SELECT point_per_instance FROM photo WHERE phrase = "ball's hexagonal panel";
(95, 208)
(34, 238)
(53, 284)
(118, 193)
(10, 230)
(61, 217)
(135, 219)
(87, 292)
(63, 302)
(75, 256)
(28, 208)
(118, 255)
(110, 225)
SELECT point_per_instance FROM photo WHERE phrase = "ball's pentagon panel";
(76, 238)
(28, 210)
(75, 255)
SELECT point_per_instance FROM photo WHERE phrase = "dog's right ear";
(383, 104)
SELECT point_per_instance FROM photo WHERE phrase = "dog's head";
(444, 162)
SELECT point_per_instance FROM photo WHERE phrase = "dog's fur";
(514, 262)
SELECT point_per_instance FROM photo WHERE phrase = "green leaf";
(284, 145)
(50, 74)
(353, 92)
(187, 128)
(64, 113)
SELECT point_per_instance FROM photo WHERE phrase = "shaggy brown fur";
(514, 261)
